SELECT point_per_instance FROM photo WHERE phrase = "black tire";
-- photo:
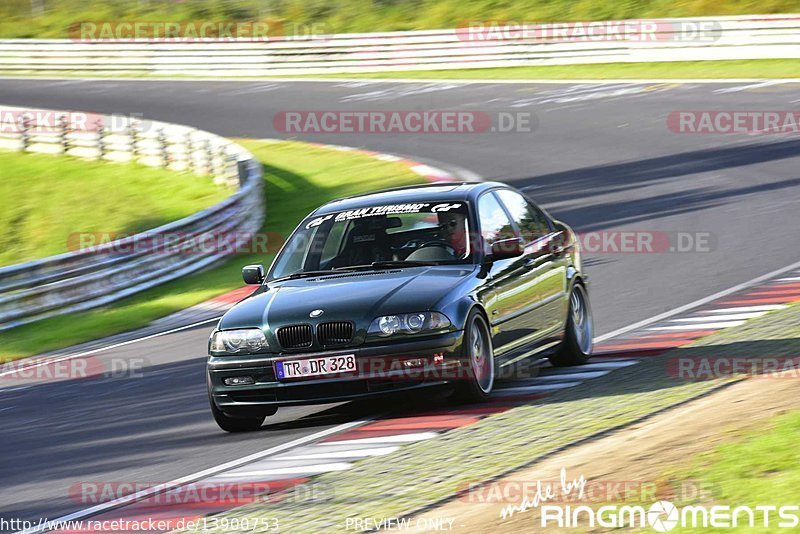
(576, 349)
(477, 379)
(236, 424)
(247, 423)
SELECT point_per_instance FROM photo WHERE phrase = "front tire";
(236, 424)
(576, 349)
(478, 359)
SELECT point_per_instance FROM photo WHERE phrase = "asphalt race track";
(600, 158)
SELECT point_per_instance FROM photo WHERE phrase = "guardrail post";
(101, 141)
(25, 137)
(133, 136)
(219, 170)
(63, 124)
(231, 166)
(162, 145)
(209, 155)
(191, 164)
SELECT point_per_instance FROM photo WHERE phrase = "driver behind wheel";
(454, 230)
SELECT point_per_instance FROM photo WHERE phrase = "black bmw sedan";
(443, 284)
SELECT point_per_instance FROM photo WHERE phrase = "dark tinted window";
(495, 224)
(531, 221)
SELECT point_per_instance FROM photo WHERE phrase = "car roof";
(434, 192)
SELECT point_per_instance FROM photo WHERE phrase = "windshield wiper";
(302, 274)
(387, 265)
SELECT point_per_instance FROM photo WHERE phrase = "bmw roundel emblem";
(315, 313)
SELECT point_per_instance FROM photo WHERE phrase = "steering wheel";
(439, 243)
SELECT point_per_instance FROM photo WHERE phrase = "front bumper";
(382, 369)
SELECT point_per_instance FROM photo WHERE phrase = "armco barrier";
(87, 278)
(742, 37)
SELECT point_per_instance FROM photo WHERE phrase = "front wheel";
(576, 349)
(236, 424)
(227, 423)
(478, 361)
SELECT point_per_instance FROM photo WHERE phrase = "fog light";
(413, 363)
(239, 381)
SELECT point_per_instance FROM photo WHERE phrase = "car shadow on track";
(622, 179)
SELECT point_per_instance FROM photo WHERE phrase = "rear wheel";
(576, 349)
(478, 360)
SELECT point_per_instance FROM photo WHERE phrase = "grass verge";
(433, 470)
(673, 70)
(48, 200)
(755, 68)
(59, 18)
(757, 468)
(298, 177)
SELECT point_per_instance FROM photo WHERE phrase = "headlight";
(408, 323)
(242, 341)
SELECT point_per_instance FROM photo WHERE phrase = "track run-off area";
(601, 157)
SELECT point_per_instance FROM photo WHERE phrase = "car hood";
(350, 296)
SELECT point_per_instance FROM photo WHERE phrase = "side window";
(495, 224)
(530, 220)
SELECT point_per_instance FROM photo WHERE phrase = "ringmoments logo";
(661, 516)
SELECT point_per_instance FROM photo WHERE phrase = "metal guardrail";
(742, 37)
(101, 274)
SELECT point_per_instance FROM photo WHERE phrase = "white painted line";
(609, 364)
(571, 376)
(727, 317)
(397, 438)
(696, 303)
(523, 390)
(347, 453)
(695, 326)
(739, 88)
(200, 475)
(311, 469)
(764, 307)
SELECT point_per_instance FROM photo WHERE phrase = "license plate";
(326, 365)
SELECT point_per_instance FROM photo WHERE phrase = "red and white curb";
(725, 312)
(430, 173)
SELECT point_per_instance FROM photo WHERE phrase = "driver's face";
(452, 224)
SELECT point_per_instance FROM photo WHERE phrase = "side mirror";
(253, 274)
(506, 248)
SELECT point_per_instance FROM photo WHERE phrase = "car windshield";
(416, 233)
